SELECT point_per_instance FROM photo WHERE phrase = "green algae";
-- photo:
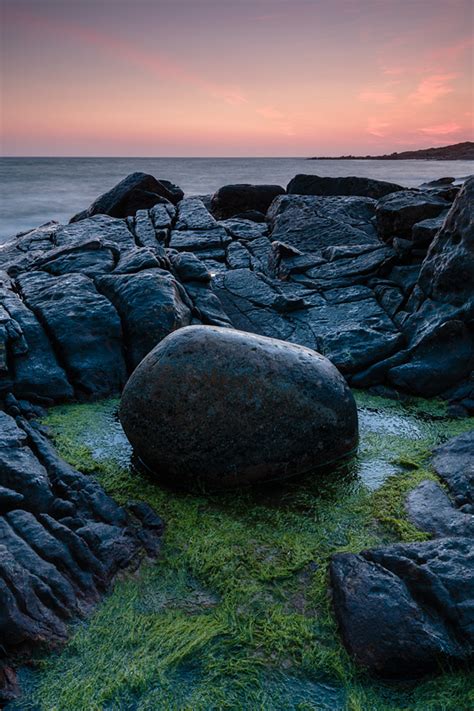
(235, 614)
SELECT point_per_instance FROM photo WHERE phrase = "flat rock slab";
(281, 409)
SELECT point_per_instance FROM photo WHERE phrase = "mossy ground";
(235, 614)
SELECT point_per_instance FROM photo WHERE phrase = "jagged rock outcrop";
(316, 273)
(62, 542)
(138, 191)
(447, 274)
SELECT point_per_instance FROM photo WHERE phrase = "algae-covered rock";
(225, 408)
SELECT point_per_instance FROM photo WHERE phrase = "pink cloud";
(442, 129)
(432, 88)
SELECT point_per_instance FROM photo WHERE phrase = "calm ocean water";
(36, 190)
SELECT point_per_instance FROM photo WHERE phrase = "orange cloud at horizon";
(77, 81)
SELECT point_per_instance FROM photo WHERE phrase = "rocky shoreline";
(377, 278)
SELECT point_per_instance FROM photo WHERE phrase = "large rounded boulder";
(220, 407)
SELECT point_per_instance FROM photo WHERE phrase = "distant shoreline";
(457, 151)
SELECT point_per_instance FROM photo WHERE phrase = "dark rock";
(447, 273)
(50, 571)
(424, 232)
(349, 271)
(151, 304)
(404, 276)
(193, 215)
(189, 268)
(138, 191)
(364, 187)
(138, 260)
(454, 463)
(253, 215)
(375, 374)
(313, 223)
(238, 256)
(84, 327)
(36, 371)
(244, 230)
(232, 200)
(439, 182)
(206, 243)
(202, 370)
(441, 358)
(430, 509)
(397, 213)
(404, 609)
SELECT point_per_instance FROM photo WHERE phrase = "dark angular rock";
(193, 215)
(138, 191)
(231, 200)
(441, 358)
(405, 608)
(397, 213)
(53, 566)
(188, 267)
(244, 230)
(265, 380)
(447, 273)
(364, 187)
(423, 233)
(206, 243)
(84, 327)
(151, 304)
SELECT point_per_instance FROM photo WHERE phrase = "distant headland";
(457, 151)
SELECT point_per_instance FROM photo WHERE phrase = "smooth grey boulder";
(224, 408)
(303, 184)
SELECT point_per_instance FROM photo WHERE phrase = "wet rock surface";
(382, 287)
(282, 409)
(407, 608)
(404, 609)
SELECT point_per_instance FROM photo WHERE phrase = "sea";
(36, 190)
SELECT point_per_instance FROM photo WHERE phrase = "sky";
(234, 77)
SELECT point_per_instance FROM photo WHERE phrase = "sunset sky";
(234, 77)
